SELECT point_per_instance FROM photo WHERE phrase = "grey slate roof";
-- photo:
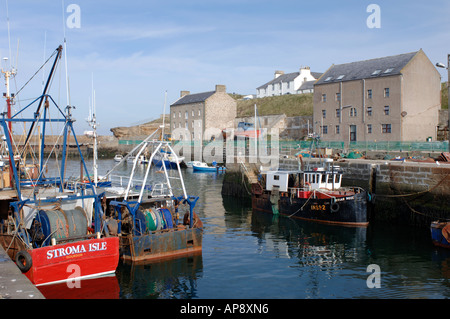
(387, 66)
(308, 85)
(193, 98)
(288, 77)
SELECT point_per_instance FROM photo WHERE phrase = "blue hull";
(208, 169)
(437, 234)
(168, 164)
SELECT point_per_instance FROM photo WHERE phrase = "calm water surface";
(256, 255)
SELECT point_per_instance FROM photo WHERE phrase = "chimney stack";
(278, 73)
(221, 88)
(183, 93)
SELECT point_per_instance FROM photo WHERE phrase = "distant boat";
(170, 161)
(191, 163)
(203, 167)
(118, 157)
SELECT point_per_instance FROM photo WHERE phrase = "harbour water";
(259, 256)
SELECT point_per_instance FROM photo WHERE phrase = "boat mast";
(8, 74)
(92, 121)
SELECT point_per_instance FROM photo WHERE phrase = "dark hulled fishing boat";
(313, 194)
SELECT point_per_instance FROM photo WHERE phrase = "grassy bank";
(291, 105)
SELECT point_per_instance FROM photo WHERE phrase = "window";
(388, 70)
(179, 114)
(325, 129)
(369, 111)
(376, 72)
(386, 110)
(340, 77)
(324, 97)
(276, 177)
(174, 114)
(192, 113)
(186, 115)
(369, 94)
(199, 112)
(338, 112)
(338, 96)
(353, 112)
(369, 128)
(386, 92)
(338, 129)
(386, 128)
(324, 114)
(328, 78)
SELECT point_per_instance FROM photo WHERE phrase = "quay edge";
(407, 193)
(13, 283)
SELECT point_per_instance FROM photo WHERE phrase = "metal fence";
(287, 147)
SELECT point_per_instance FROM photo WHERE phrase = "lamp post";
(440, 65)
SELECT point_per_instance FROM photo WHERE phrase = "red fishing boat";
(51, 231)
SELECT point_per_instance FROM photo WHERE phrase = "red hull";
(74, 260)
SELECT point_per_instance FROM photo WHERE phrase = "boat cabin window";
(337, 178)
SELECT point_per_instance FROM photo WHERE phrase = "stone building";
(290, 83)
(201, 116)
(394, 98)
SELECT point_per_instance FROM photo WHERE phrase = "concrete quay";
(14, 284)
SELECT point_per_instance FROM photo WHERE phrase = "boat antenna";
(65, 54)
(164, 116)
(9, 33)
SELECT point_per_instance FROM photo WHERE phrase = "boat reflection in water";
(106, 287)
(312, 243)
(166, 279)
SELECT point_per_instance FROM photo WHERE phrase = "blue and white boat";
(203, 167)
(170, 161)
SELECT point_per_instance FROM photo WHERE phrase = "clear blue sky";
(138, 49)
